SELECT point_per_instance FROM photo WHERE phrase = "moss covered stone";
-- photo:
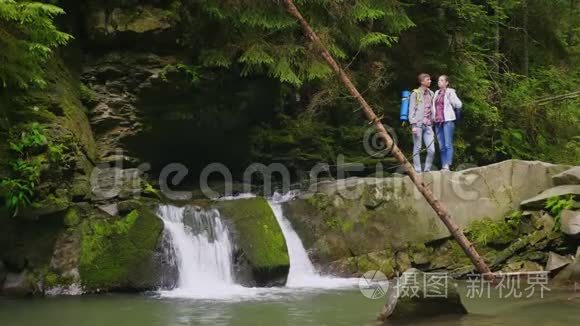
(117, 253)
(259, 236)
(72, 217)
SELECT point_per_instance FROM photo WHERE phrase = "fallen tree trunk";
(441, 211)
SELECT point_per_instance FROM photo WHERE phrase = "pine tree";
(28, 36)
(261, 38)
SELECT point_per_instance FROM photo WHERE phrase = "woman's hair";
(446, 78)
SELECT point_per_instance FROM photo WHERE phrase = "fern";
(32, 138)
(256, 55)
(27, 37)
(555, 205)
(363, 12)
(376, 39)
(263, 39)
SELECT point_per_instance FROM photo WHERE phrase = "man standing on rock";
(421, 119)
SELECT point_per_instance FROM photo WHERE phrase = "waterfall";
(201, 249)
(302, 273)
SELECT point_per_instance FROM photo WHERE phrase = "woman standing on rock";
(445, 103)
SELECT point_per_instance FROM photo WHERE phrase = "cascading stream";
(199, 246)
(202, 250)
(302, 273)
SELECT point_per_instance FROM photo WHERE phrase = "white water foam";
(243, 195)
(203, 253)
(302, 273)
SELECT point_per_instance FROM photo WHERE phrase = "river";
(278, 307)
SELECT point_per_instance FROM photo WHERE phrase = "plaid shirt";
(440, 107)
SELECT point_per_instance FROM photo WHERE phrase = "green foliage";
(264, 39)
(29, 139)
(32, 151)
(555, 205)
(56, 153)
(192, 72)
(28, 36)
(514, 219)
(319, 200)
(485, 231)
(20, 188)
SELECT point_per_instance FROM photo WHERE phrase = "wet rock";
(419, 295)
(542, 220)
(383, 261)
(126, 206)
(403, 261)
(108, 183)
(556, 262)
(568, 177)
(138, 24)
(18, 285)
(111, 209)
(539, 201)
(80, 189)
(119, 254)
(522, 266)
(120, 160)
(259, 236)
(570, 275)
(570, 222)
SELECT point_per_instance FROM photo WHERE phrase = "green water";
(336, 307)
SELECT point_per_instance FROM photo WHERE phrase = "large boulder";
(336, 219)
(570, 275)
(18, 284)
(570, 222)
(539, 201)
(556, 262)
(259, 237)
(568, 177)
(117, 254)
(417, 295)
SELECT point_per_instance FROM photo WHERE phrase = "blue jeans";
(444, 133)
(425, 135)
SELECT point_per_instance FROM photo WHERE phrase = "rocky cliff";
(358, 224)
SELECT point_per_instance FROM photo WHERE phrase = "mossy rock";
(420, 296)
(72, 217)
(116, 254)
(260, 238)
